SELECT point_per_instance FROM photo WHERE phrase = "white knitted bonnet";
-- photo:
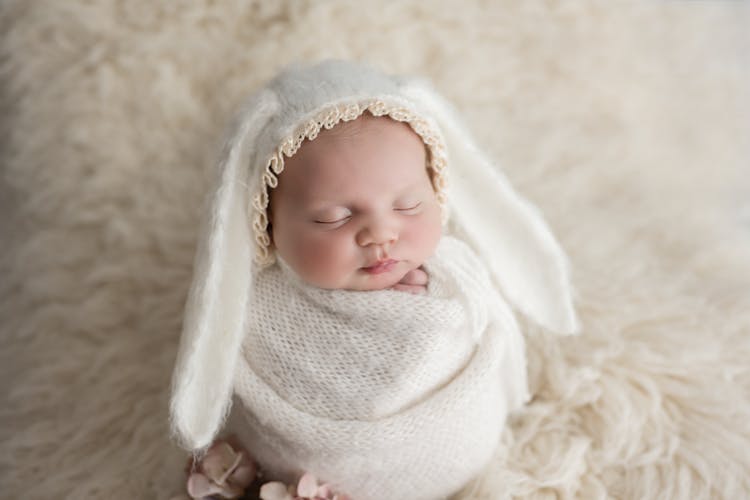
(480, 206)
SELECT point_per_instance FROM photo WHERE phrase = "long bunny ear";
(506, 230)
(215, 312)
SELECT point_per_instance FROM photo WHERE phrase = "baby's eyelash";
(337, 221)
(406, 209)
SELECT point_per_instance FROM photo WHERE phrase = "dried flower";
(307, 489)
(224, 471)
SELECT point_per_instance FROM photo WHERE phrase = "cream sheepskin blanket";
(386, 394)
(626, 123)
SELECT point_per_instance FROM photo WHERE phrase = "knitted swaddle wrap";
(386, 394)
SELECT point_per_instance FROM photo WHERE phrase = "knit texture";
(385, 393)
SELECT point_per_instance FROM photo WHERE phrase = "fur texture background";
(626, 122)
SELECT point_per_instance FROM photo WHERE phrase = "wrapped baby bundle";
(385, 394)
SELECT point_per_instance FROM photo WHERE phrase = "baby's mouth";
(381, 266)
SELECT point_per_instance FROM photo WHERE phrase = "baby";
(355, 208)
(342, 172)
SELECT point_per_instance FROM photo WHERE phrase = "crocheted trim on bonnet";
(328, 118)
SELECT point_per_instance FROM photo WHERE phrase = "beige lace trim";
(327, 119)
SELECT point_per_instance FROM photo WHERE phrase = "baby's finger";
(415, 289)
(415, 277)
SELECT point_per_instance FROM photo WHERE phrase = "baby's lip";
(380, 266)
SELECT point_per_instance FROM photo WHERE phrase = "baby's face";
(355, 208)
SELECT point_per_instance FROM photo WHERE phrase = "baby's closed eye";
(336, 216)
(408, 206)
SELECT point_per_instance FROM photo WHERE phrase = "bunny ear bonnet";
(505, 230)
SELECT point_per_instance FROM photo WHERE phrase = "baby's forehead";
(349, 148)
(367, 153)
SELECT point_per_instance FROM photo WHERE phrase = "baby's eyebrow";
(312, 198)
(323, 205)
(311, 202)
(414, 186)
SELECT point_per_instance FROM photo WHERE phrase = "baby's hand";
(415, 281)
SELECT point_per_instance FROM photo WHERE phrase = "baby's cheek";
(325, 259)
(425, 234)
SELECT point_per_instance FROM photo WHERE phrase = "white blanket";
(386, 394)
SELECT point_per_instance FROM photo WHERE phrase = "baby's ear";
(508, 232)
(215, 313)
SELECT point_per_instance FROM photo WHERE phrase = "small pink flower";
(223, 471)
(276, 491)
(307, 489)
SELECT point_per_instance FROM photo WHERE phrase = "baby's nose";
(377, 233)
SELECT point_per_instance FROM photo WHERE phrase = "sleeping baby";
(352, 301)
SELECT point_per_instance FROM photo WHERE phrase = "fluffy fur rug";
(626, 123)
